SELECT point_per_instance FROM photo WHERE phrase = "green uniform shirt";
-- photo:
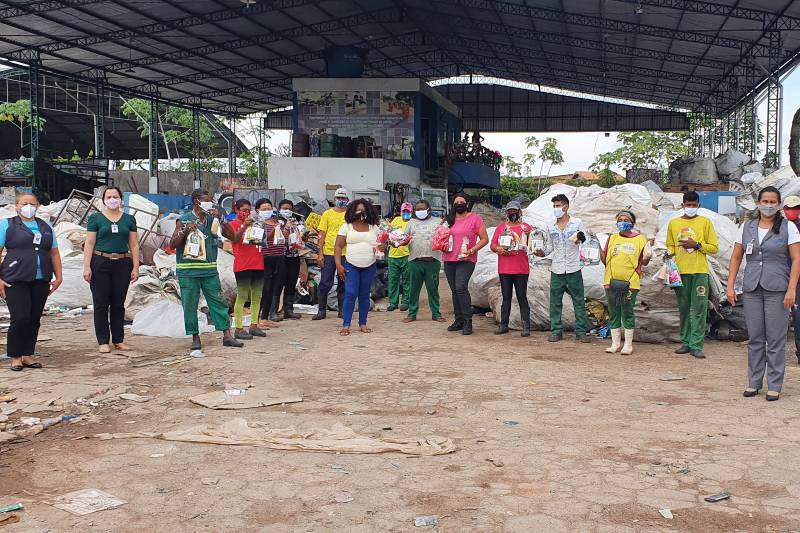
(187, 267)
(108, 241)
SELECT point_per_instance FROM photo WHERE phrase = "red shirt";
(245, 256)
(516, 262)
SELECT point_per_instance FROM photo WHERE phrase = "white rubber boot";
(628, 348)
(616, 337)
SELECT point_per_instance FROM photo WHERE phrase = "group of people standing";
(266, 245)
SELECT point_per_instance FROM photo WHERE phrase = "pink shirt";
(468, 227)
(516, 262)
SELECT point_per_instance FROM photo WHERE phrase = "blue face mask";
(406, 216)
(624, 226)
(341, 203)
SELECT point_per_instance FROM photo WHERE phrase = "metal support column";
(196, 146)
(33, 85)
(260, 147)
(152, 135)
(99, 120)
(232, 145)
(772, 157)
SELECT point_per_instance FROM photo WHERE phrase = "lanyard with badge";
(114, 227)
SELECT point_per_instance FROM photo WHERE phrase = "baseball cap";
(406, 207)
(341, 192)
(792, 201)
(513, 204)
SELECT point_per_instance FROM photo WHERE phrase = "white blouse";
(360, 245)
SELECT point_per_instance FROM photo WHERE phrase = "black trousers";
(110, 281)
(25, 301)
(519, 284)
(291, 271)
(326, 279)
(273, 277)
(458, 274)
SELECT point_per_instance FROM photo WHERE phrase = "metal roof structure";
(232, 57)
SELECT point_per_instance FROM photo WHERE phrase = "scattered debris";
(425, 521)
(496, 462)
(510, 423)
(7, 398)
(135, 397)
(209, 480)
(156, 455)
(670, 377)
(666, 513)
(386, 428)
(717, 497)
(197, 354)
(243, 399)
(343, 497)
(86, 501)
(11, 508)
(8, 518)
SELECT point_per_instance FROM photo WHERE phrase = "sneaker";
(555, 337)
(684, 349)
(391, 308)
(243, 335)
(232, 343)
(256, 332)
(501, 330)
(585, 339)
(697, 354)
(404, 307)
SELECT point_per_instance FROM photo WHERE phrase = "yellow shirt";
(701, 230)
(401, 251)
(622, 259)
(330, 222)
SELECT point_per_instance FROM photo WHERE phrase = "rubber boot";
(467, 327)
(457, 325)
(288, 309)
(628, 348)
(273, 311)
(526, 327)
(321, 311)
(616, 337)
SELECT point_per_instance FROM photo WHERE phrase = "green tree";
(645, 149)
(551, 153)
(18, 114)
(511, 186)
(532, 147)
(510, 167)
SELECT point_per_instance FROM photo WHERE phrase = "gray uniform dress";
(766, 279)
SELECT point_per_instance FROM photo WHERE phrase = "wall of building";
(172, 182)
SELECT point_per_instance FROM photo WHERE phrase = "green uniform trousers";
(572, 284)
(190, 296)
(622, 316)
(427, 272)
(398, 280)
(693, 308)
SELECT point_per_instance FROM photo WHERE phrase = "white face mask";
(286, 213)
(206, 206)
(265, 215)
(422, 215)
(690, 211)
(113, 203)
(27, 210)
(558, 212)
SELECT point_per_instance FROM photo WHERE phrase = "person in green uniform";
(399, 280)
(197, 266)
(110, 265)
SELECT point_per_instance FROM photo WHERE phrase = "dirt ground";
(550, 437)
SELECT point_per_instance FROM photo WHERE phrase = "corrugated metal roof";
(232, 58)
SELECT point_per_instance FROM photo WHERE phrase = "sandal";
(440, 319)
(121, 346)
(32, 365)
(364, 329)
(344, 332)
(104, 348)
(409, 319)
(17, 368)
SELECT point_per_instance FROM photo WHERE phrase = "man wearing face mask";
(424, 264)
(398, 263)
(328, 229)
(690, 239)
(197, 273)
(565, 238)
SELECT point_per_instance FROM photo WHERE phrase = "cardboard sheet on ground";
(341, 439)
(86, 501)
(243, 398)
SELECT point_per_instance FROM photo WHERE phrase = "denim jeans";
(357, 284)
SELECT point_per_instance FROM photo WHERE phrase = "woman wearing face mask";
(291, 270)
(468, 235)
(772, 247)
(359, 234)
(424, 263)
(110, 265)
(272, 248)
(624, 258)
(398, 263)
(513, 267)
(248, 268)
(30, 272)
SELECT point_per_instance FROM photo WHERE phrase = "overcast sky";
(580, 149)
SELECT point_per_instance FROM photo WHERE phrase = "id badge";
(194, 249)
(749, 249)
(114, 228)
(37, 238)
(257, 234)
(505, 241)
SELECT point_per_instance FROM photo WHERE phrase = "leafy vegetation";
(19, 115)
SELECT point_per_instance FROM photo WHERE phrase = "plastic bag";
(673, 275)
(589, 252)
(441, 238)
(165, 319)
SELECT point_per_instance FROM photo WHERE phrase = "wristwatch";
(697, 246)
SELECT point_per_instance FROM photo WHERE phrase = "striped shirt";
(269, 246)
